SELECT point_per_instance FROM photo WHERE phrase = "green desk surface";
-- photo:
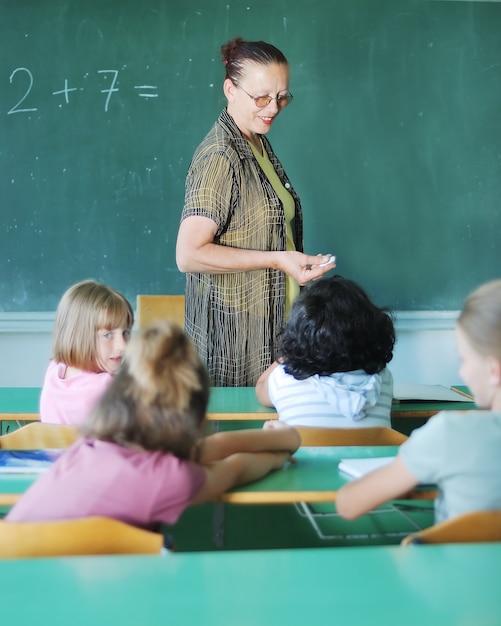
(313, 478)
(223, 404)
(15, 483)
(226, 403)
(447, 585)
(19, 399)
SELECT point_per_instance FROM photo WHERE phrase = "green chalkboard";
(393, 140)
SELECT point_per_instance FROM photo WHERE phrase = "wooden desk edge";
(233, 417)
(19, 417)
(276, 497)
(212, 417)
(237, 416)
(419, 413)
(266, 497)
(294, 497)
(253, 497)
(9, 499)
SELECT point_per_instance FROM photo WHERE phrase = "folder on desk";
(27, 461)
(359, 467)
(409, 392)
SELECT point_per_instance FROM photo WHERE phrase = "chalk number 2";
(16, 108)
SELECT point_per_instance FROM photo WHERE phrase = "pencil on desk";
(466, 394)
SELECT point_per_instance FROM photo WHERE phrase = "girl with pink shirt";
(92, 328)
(142, 458)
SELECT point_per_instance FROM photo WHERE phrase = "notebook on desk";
(409, 392)
(355, 468)
(27, 461)
(359, 467)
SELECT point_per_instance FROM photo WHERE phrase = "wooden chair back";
(152, 308)
(372, 436)
(475, 527)
(369, 436)
(75, 537)
(37, 435)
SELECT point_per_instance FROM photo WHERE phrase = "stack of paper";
(360, 467)
(431, 393)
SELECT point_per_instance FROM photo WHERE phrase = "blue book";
(27, 461)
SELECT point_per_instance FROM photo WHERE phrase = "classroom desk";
(436, 585)
(425, 410)
(12, 486)
(313, 478)
(19, 404)
(225, 404)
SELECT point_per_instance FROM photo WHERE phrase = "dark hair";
(236, 52)
(158, 399)
(334, 327)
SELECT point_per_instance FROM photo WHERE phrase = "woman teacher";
(240, 239)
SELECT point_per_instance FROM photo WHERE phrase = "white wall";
(24, 358)
(426, 357)
(25, 348)
(425, 350)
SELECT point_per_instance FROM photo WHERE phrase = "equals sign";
(146, 95)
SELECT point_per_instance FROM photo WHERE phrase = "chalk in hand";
(331, 260)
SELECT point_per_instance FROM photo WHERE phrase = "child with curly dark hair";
(458, 451)
(334, 351)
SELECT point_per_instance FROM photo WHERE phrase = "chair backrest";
(75, 537)
(152, 308)
(372, 436)
(38, 435)
(475, 527)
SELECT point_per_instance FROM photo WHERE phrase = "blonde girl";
(92, 328)
(142, 457)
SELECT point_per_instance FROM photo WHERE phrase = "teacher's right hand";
(305, 267)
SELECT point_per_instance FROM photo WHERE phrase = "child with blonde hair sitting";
(142, 457)
(92, 328)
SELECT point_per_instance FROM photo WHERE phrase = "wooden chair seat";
(37, 435)
(76, 537)
(474, 527)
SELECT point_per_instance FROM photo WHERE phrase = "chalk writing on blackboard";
(24, 74)
(66, 91)
(15, 108)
